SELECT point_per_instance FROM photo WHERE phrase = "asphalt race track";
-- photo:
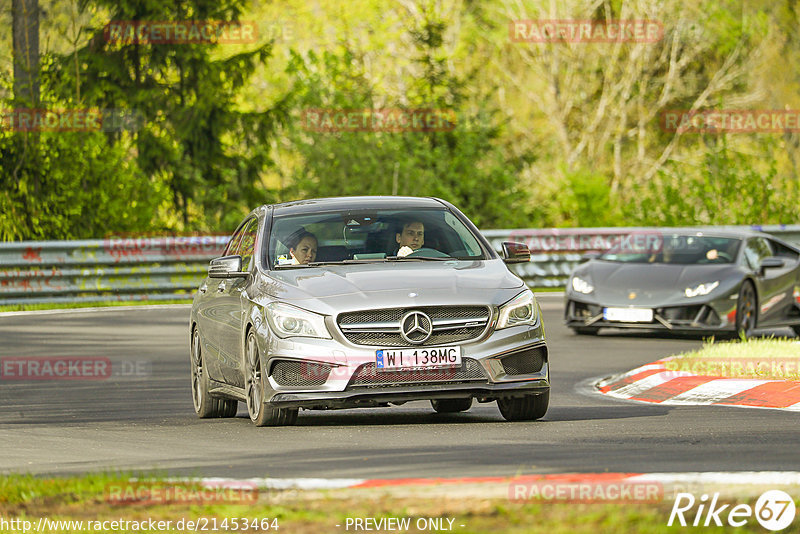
(144, 420)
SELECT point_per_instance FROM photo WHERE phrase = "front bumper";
(333, 373)
(717, 315)
(382, 396)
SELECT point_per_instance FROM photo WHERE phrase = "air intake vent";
(294, 373)
(525, 362)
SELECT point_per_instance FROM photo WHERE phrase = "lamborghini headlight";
(702, 289)
(581, 286)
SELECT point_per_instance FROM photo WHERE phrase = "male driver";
(410, 238)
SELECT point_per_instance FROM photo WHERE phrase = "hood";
(653, 284)
(356, 286)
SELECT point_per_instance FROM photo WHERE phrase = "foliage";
(547, 134)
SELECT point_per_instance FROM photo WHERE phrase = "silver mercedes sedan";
(361, 302)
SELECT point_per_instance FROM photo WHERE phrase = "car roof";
(354, 203)
(714, 232)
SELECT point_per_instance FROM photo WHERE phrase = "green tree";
(197, 137)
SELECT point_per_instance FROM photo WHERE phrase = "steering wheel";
(723, 256)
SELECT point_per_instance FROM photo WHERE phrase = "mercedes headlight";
(702, 289)
(288, 321)
(522, 309)
(581, 286)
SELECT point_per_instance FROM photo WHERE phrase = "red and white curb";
(728, 478)
(656, 384)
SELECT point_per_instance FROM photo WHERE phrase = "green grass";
(762, 358)
(84, 498)
(547, 289)
(73, 305)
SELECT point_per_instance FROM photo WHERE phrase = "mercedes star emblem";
(416, 327)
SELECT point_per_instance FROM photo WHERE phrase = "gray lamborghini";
(688, 280)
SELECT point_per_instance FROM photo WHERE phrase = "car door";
(786, 280)
(232, 304)
(211, 314)
(774, 285)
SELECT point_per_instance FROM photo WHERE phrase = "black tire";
(527, 408)
(451, 405)
(261, 414)
(796, 328)
(585, 331)
(746, 310)
(206, 406)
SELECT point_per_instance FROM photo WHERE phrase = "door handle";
(203, 288)
(221, 287)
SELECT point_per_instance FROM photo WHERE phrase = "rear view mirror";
(772, 262)
(226, 267)
(515, 252)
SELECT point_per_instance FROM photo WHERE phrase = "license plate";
(628, 315)
(417, 358)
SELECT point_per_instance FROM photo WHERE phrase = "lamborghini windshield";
(683, 249)
(362, 236)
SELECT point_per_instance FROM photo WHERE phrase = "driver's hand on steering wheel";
(404, 251)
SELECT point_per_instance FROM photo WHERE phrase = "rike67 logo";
(774, 510)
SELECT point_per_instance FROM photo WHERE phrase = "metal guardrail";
(163, 268)
(168, 268)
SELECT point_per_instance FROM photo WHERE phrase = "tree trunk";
(25, 15)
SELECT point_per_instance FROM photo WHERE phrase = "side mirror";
(773, 262)
(226, 267)
(591, 255)
(515, 252)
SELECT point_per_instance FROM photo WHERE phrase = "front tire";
(451, 405)
(261, 413)
(206, 406)
(796, 328)
(527, 408)
(746, 310)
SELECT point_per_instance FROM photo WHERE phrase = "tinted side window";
(783, 251)
(247, 244)
(756, 250)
